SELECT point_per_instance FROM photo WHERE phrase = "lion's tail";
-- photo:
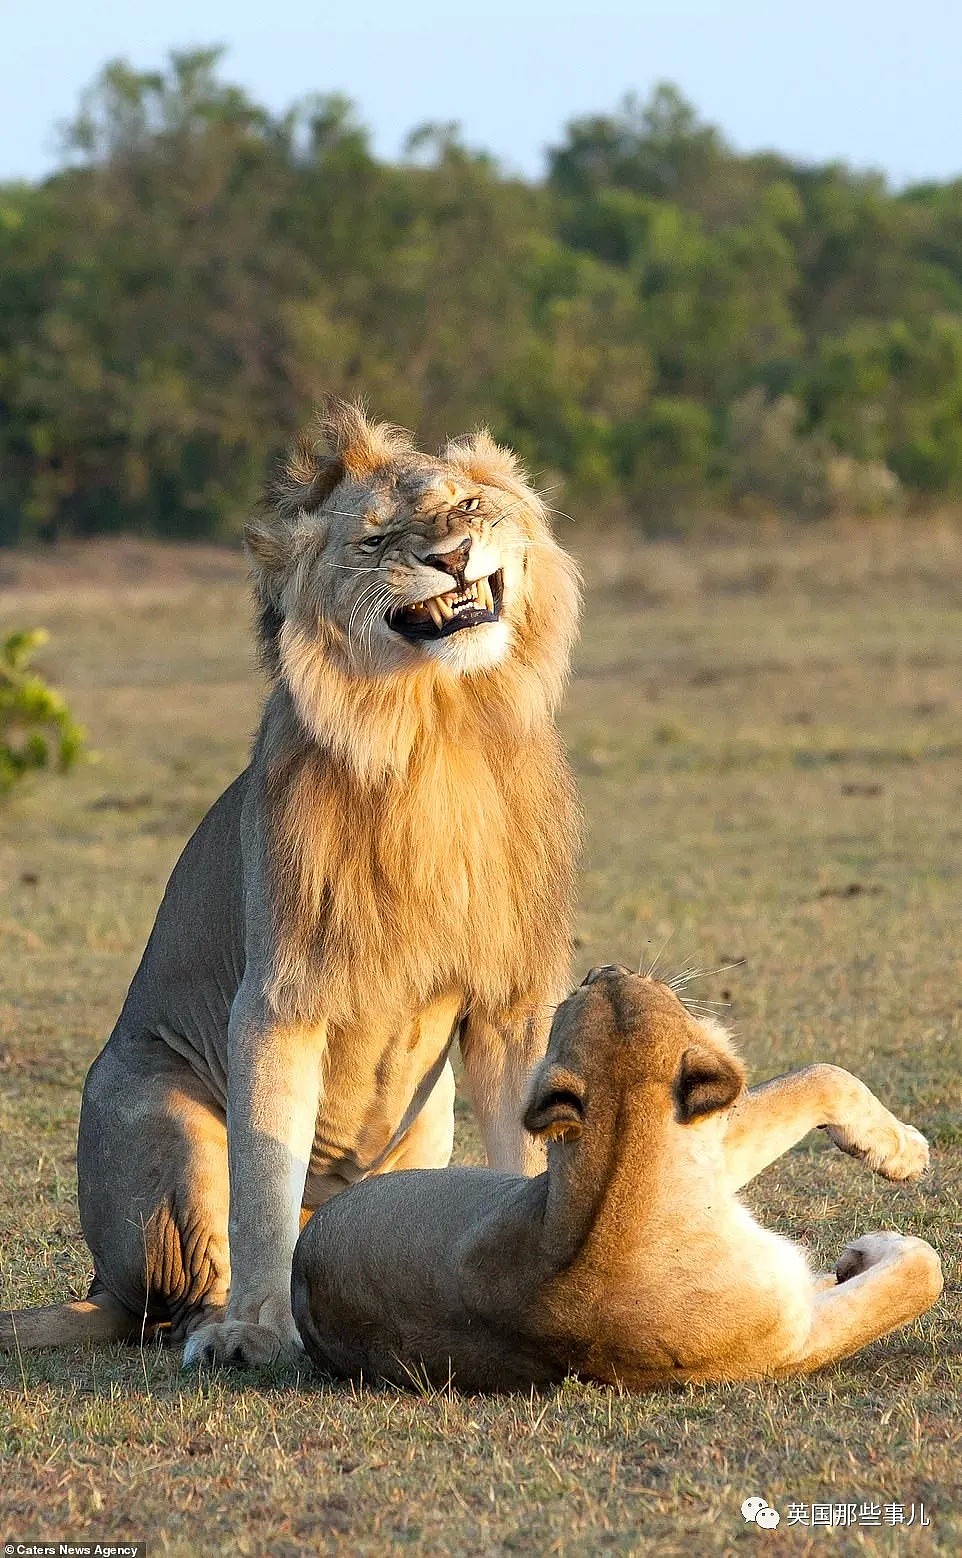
(100, 1318)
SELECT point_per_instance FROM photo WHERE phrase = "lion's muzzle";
(465, 606)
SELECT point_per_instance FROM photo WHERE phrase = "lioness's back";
(380, 1288)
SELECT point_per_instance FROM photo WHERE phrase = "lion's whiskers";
(381, 599)
(506, 513)
(363, 594)
(363, 600)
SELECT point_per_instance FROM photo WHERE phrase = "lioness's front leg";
(273, 1092)
(498, 1061)
(769, 1119)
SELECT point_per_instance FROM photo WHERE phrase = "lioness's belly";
(376, 1079)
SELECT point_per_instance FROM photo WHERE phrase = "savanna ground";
(768, 739)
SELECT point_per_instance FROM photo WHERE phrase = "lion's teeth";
(444, 606)
(485, 598)
(435, 610)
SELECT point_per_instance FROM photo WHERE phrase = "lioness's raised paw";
(868, 1250)
(894, 1150)
(912, 1262)
(271, 1339)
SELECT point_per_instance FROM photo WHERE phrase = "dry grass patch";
(767, 739)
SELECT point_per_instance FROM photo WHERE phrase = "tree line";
(659, 324)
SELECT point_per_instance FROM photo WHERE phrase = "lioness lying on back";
(632, 1259)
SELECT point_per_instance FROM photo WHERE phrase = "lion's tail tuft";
(101, 1318)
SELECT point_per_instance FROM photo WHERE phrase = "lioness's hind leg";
(153, 1185)
(769, 1119)
(884, 1280)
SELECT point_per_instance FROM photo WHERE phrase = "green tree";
(650, 323)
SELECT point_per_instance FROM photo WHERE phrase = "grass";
(768, 740)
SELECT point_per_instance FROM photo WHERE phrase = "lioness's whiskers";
(680, 980)
(650, 971)
(706, 973)
(681, 975)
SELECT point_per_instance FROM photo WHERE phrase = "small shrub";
(36, 728)
(774, 461)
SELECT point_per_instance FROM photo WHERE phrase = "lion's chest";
(433, 888)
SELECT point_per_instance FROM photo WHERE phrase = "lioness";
(392, 871)
(631, 1259)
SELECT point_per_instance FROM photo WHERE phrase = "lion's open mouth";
(467, 606)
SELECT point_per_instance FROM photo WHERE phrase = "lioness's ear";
(556, 1108)
(706, 1080)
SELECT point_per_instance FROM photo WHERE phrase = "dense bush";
(661, 322)
(36, 729)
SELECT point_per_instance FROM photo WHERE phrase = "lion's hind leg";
(153, 1183)
(97, 1318)
(883, 1280)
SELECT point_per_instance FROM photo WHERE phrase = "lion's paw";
(894, 1150)
(271, 1338)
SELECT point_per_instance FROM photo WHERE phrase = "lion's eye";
(370, 543)
(469, 505)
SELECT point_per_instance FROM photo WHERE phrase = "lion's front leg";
(498, 1061)
(273, 1092)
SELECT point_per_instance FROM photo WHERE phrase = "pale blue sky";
(877, 84)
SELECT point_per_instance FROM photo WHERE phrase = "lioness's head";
(624, 1038)
(380, 562)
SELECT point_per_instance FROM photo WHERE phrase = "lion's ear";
(556, 1106)
(310, 476)
(361, 445)
(484, 461)
(269, 546)
(707, 1079)
(350, 445)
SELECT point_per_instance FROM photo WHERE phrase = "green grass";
(768, 740)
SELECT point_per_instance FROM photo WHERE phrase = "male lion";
(631, 1259)
(391, 871)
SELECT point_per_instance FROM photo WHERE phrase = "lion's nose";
(454, 561)
(604, 971)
